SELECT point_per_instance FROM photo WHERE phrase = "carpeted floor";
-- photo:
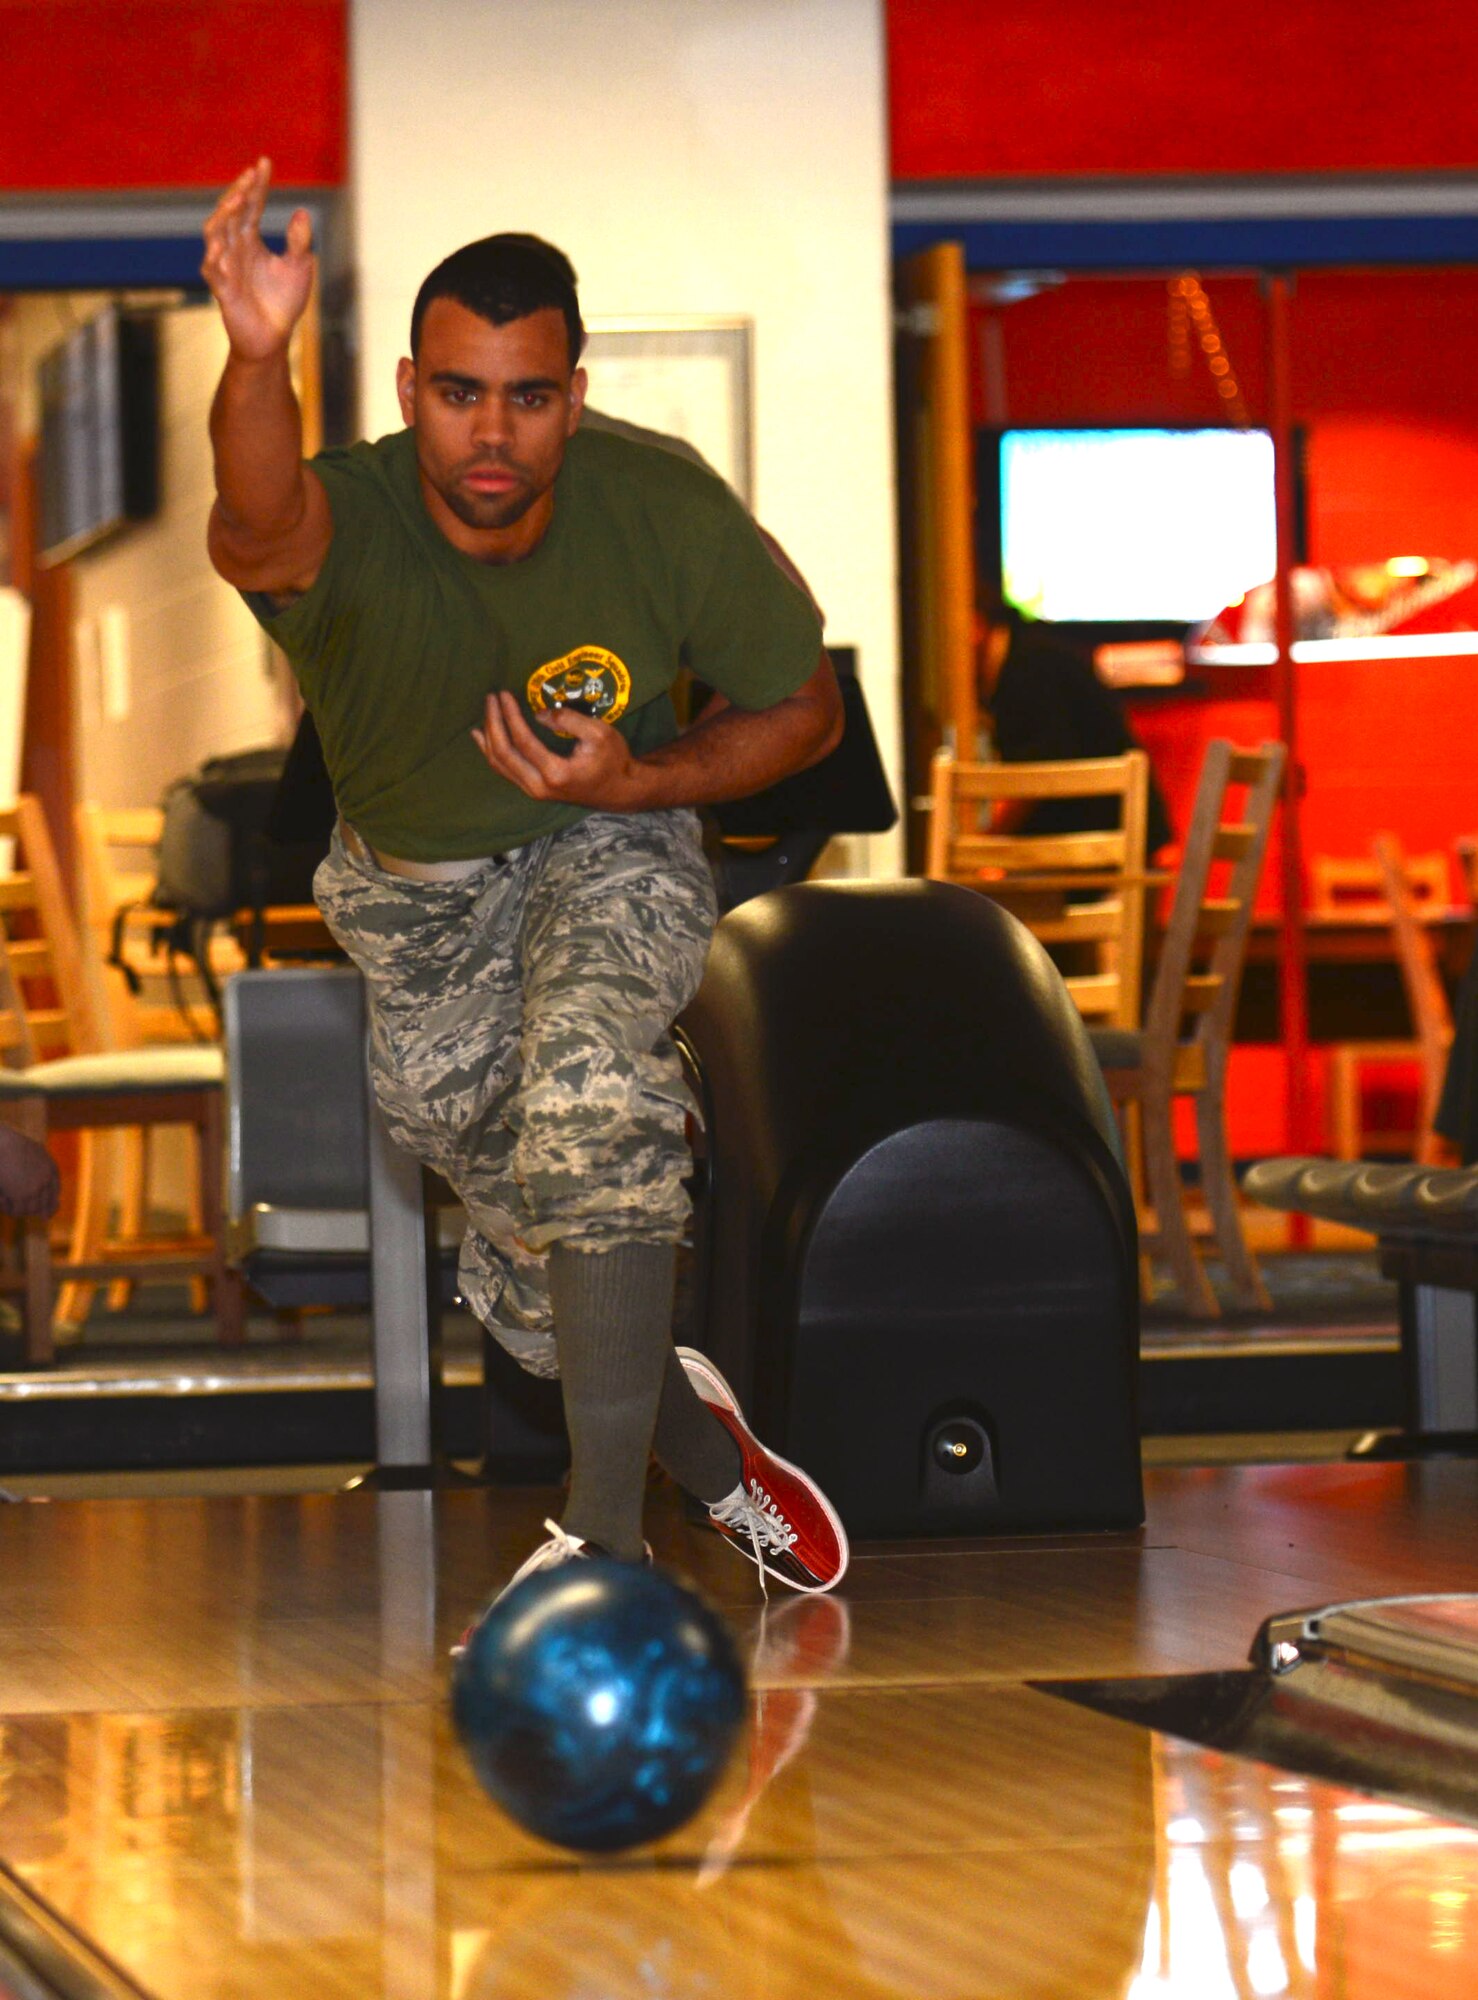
(1313, 1290)
(1310, 1288)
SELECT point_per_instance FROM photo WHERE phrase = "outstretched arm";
(270, 527)
(727, 754)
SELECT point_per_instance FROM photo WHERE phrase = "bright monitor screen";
(1106, 526)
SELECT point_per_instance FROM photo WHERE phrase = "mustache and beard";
(489, 510)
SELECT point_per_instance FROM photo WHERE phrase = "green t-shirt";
(649, 562)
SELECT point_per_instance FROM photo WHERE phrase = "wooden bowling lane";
(938, 1843)
(327, 1598)
(224, 1756)
(1348, 1529)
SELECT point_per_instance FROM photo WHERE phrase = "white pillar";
(692, 157)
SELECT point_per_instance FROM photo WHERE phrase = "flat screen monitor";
(99, 432)
(1133, 526)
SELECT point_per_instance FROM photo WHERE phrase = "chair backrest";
(58, 1013)
(108, 835)
(1344, 885)
(18, 1048)
(116, 851)
(1200, 966)
(1035, 874)
(105, 889)
(1426, 996)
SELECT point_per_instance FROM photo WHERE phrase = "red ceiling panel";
(170, 93)
(1046, 87)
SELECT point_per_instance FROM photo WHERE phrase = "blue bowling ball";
(598, 1703)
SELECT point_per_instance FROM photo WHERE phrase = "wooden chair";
(58, 1074)
(1348, 887)
(1184, 1045)
(1426, 996)
(147, 1000)
(1040, 876)
(150, 998)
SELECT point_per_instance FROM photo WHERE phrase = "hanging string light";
(1178, 329)
(1192, 325)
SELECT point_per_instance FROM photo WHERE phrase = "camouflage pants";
(519, 1041)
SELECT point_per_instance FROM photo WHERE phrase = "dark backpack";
(217, 856)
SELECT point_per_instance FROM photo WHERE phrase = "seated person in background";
(1048, 706)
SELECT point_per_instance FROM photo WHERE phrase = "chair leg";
(1174, 1236)
(197, 1222)
(133, 1200)
(1219, 1186)
(1344, 1103)
(230, 1305)
(1131, 1132)
(227, 1294)
(40, 1297)
(1427, 1151)
(89, 1226)
(138, 1162)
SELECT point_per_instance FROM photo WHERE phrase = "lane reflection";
(1270, 1884)
(934, 1842)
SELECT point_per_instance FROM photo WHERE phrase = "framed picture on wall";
(688, 377)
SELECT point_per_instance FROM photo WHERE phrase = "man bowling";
(517, 874)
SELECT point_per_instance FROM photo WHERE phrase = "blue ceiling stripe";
(1201, 243)
(99, 263)
(88, 263)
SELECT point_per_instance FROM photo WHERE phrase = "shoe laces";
(560, 1548)
(755, 1514)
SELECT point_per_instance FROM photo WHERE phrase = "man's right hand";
(261, 296)
(271, 527)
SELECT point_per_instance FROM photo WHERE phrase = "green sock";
(613, 1334)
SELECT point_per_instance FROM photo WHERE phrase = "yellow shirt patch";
(589, 678)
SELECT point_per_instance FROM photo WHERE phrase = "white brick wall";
(199, 679)
(193, 676)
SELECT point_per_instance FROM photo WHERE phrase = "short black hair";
(502, 278)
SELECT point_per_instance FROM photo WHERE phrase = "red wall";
(121, 94)
(170, 93)
(1385, 377)
(176, 93)
(1146, 86)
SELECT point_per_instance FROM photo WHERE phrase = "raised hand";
(261, 296)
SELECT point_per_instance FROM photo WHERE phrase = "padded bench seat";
(1437, 1204)
(192, 1066)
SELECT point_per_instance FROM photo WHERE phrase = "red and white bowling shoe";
(777, 1515)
